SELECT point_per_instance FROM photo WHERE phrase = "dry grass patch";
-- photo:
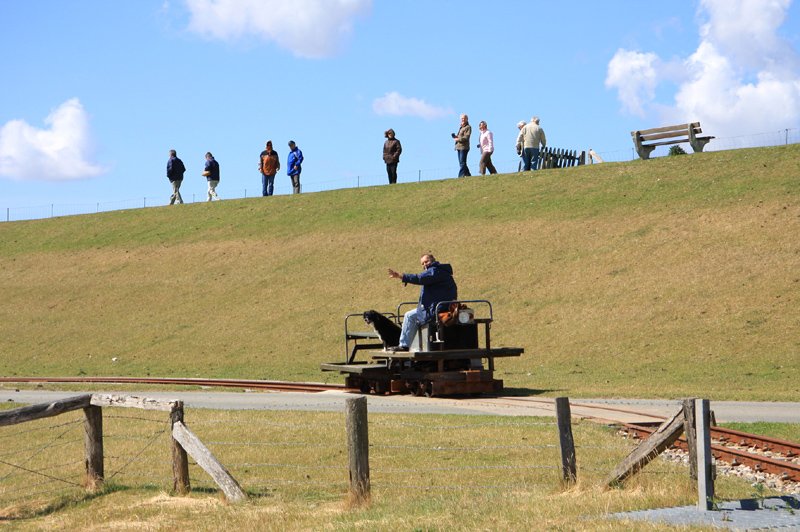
(428, 472)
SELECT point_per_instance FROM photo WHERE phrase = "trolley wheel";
(427, 388)
(380, 388)
(415, 388)
(365, 387)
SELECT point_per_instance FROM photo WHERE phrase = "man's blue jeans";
(530, 159)
(462, 163)
(411, 323)
(267, 184)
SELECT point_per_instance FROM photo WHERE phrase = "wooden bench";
(675, 135)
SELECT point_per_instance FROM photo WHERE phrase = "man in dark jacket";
(211, 173)
(391, 155)
(437, 285)
(175, 171)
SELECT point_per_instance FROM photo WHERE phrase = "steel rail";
(774, 465)
(230, 383)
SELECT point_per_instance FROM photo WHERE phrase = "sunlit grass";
(428, 472)
(674, 277)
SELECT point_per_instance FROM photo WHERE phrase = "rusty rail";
(283, 386)
(773, 465)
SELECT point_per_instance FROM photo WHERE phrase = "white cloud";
(308, 28)
(743, 77)
(395, 104)
(634, 76)
(55, 154)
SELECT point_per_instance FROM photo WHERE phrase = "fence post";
(689, 418)
(419, 176)
(358, 448)
(180, 462)
(568, 462)
(705, 480)
(93, 446)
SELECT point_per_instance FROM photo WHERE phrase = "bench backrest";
(666, 132)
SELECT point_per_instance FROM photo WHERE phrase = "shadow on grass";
(65, 501)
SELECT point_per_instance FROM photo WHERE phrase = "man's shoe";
(396, 348)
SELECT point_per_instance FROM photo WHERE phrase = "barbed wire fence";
(772, 138)
(41, 463)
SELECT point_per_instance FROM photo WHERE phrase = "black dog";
(388, 331)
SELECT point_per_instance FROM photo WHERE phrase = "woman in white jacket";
(486, 146)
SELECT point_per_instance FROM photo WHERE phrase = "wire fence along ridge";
(773, 138)
(400, 452)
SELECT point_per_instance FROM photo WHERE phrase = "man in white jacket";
(532, 138)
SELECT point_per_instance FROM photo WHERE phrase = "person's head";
(464, 119)
(535, 120)
(482, 125)
(520, 124)
(173, 153)
(389, 133)
(426, 260)
(208, 155)
(269, 144)
(292, 145)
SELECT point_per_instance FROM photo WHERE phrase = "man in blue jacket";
(293, 165)
(437, 285)
(175, 171)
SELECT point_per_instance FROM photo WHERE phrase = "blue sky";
(95, 93)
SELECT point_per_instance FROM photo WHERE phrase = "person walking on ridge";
(532, 137)
(462, 145)
(211, 173)
(391, 155)
(486, 145)
(269, 164)
(175, 171)
(294, 166)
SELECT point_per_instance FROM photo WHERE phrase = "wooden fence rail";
(183, 439)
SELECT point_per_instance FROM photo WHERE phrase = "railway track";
(767, 455)
(279, 386)
(763, 454)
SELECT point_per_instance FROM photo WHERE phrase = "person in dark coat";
(211, 174)
(391, 155)
(175, 171)
(437, 285)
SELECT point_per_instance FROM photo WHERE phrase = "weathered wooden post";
(649, 449)
(705, 477)
(358, 448)
(180, 462)
(568, 462)
(691, 435)
(93, 446)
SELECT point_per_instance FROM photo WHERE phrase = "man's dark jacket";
(437, 285)
(175, 169)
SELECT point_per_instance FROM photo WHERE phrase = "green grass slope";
(666, 278)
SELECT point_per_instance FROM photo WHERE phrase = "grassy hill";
(666, 278)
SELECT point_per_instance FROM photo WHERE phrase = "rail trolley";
(446, 359)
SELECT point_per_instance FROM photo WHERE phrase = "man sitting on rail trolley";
(437, 285)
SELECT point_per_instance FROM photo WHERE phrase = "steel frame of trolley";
(444, 359)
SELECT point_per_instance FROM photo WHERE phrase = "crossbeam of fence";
(183, 440)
